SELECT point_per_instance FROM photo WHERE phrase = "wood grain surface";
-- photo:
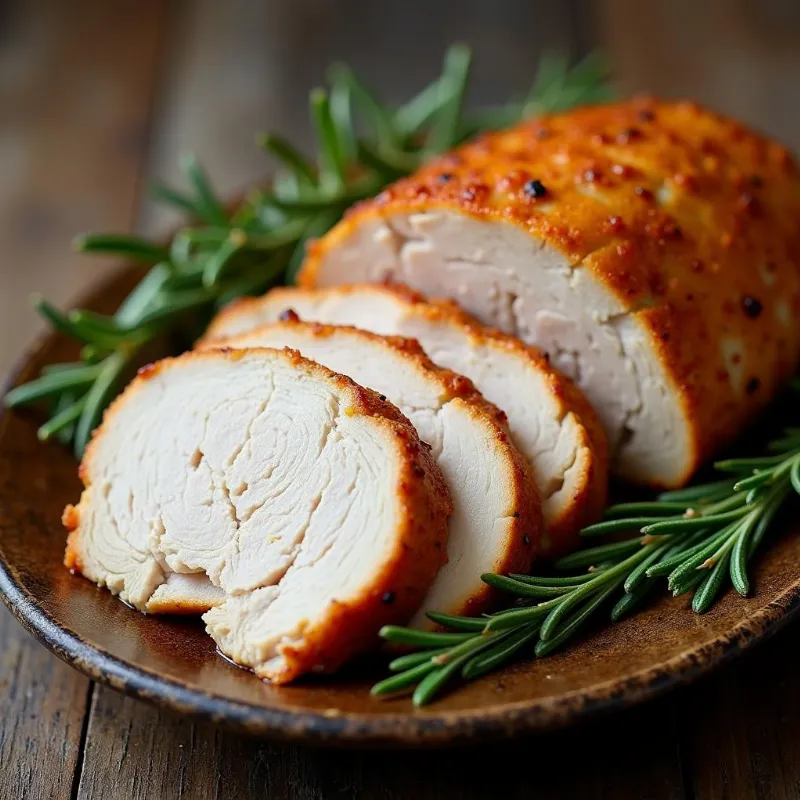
(95, 98)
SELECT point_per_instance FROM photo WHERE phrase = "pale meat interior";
(554, 443)
(487, 526)
(546, 430)
(510, 280)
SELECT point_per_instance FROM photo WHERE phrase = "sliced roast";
(650, 248)
(308, 502)
(496, 521)
(550, 420)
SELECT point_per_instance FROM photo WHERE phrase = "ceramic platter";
(171, 662)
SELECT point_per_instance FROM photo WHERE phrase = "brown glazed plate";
(171, 662)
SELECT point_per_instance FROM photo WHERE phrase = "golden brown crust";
(526, 527)
(70, 519)
(419, 547)
(690, 219)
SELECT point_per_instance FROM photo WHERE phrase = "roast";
(651, 249)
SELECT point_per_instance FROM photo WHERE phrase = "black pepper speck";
(627, 135)
(388, 598)
(751, 307)
(753, 385)
(535, 189)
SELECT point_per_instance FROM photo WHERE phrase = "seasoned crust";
(413, 556)
(590, 471)
(690, 219)
(70, 519)
(524, 523)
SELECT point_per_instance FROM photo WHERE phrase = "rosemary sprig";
(698, 539)
(224, 253)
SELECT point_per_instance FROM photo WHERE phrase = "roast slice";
(308, 503)
(550, 420)
(496, 520)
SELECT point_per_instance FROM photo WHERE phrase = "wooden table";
(95, 98)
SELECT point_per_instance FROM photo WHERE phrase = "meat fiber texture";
(307, 502)
(496, 522)
(550, 421)
(651, 249)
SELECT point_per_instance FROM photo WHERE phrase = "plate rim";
(398, 729)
